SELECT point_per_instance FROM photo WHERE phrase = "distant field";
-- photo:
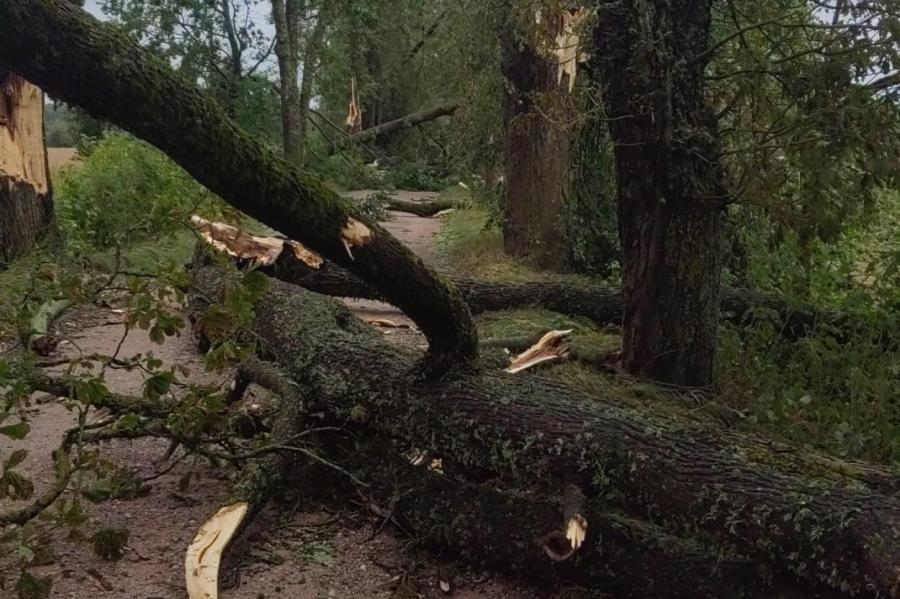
(59, 157)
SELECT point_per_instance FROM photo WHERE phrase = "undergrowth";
(840, 397)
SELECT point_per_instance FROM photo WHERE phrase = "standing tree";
(288, 17)
(671, 184)
(26, 204)
(537, 117)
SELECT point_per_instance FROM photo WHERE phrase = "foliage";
(808, 137)
(109, 543)
(123, 191)
(836, 395)
(589, 215)
(65, 126)
(346, 171)
(218, 43)
(375, 206)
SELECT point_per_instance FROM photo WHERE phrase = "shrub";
(123, 191)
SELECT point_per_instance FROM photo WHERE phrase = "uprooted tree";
(671, 506)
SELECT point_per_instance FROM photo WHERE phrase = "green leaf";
(16, 431)
(158, 384)
(33, 587)
(15, 458)
(109, 543)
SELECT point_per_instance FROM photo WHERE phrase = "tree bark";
(90, 64)
(26, 202)
(536, 108)
(310, 65)
(819, 520)
(671, 187)
(600, 303)
(411, 120)
(623, 557)
(286, 18)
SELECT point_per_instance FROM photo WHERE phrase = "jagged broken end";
(201, 562)
(561, 545)
(258, 249)
(551, 347)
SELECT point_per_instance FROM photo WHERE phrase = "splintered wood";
(201, 562)
(386, 323)
(22, 156)
(551, 347)
(354, 234)
(564, 47)
(576, 530)
(561, 545)
(260, 250)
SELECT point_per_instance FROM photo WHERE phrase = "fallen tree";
(822, 522)
(425, 208)
(407, 122)
(600, 303)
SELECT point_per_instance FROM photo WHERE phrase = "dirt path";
(303, 552)
(418, 234)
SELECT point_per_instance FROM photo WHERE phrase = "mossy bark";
(90, 64)
(822, 521)
(536, 114)
(671, 184)
(506, 530)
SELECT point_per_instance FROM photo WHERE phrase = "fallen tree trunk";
(407, 122)
(90, 64)
(600, 303)
(425, 209)
(508, 531)
(823, 521)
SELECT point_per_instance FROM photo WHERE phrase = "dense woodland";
(656, 352)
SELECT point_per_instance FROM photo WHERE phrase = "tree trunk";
(26, 204)
(670, 184)
(310, 65)
(507, 530)
(536, 111)
(90, 64)
(286, 18)
(411, 120)
(823, 521)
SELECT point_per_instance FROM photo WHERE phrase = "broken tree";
(538, 117)
(26, 204)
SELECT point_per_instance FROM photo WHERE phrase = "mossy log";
(823, 521)
(600, 303)
(508, 530)
(90, 64)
